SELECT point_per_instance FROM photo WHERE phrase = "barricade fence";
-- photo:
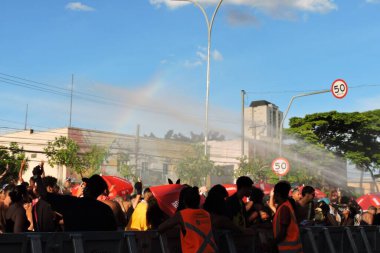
(314, 240)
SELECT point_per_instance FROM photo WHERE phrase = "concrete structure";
(33, 144)
(262, 121)
(225, 155)
(152, 158)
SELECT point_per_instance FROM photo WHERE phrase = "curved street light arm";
(209, 29)
(287, 110)
(200, 7)
(213, 15)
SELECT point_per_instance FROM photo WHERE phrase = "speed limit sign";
(339, 88)
(280, 166)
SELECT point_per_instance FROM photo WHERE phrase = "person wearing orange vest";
(285, 228)
(195, 225)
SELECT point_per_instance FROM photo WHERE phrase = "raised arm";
(59, 203)
(138, 188)
(42, 168)
(5, 171)
(271, 203)
(21, 172)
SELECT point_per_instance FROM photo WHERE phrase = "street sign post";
(280, 166)
(339, 88)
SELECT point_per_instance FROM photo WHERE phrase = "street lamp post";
(209, 30)
(287, 110)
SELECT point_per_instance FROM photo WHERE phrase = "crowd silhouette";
(42, 206)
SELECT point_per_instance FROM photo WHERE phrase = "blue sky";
(143, 62)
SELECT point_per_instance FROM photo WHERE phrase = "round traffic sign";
(339, 88)
(280, 166)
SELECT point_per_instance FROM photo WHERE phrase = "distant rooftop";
(260, 103)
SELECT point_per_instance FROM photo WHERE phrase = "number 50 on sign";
(280, 166)
(339, 88)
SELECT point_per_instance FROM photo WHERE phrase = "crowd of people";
(42, 206)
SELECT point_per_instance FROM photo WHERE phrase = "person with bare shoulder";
(117, 212)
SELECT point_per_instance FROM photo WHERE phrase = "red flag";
(167, 197)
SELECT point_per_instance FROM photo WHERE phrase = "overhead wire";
(301, 91)
(91, 97)
(27, 83)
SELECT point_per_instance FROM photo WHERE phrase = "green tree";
(354, 136)
(124, 168)
(64, 151)
(257, 169)
(195, 138)
(216, 136)
(313, 164)
(13, 156)
(196, 168)
(93, 160)
(169, 135)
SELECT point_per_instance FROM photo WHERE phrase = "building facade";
(262, 121)
(152, 159)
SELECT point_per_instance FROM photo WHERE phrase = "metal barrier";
(314, 240)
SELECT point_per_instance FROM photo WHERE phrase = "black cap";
(96, 185)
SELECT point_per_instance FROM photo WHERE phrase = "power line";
(30, 86)
(301, 91)
(20, 78)
(89, 97)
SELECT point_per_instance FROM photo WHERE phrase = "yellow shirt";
(138, 219)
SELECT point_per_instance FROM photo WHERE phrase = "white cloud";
(169, 3)
(192, 64)
(78, 6)
(216, 55)
(240, 18)
(373, 1)
(275, 8)
(201, 56)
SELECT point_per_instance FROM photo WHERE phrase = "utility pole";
(242, 123)
(26, 116)
(71, 98)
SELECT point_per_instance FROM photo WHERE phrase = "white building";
(262, 121)
(152, 158)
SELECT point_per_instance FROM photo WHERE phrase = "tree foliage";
(194, 138)
(92, 160)
(12, 156)
(257, 169)
(64, 151)
(124, 168)
(355, 136)
(194, 169)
